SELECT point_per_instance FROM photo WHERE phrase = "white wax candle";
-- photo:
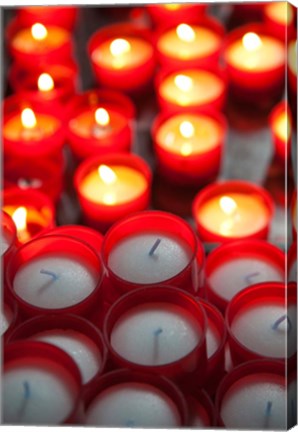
(5, 319)
(37, 392)
(257, 401)
(55, 281)
(81, 348)
(130, 258)
(133, 405)
(233, 276)
(155, 334)
(267, 329)
(198, 415)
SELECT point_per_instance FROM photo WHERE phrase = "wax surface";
(128, 186)
(5, 241)
(205, 42)
(250, 216)
(155, 334)
(252, 326)
(84, 125)
(205, 88)
(245, 403)
(5, 319)
(49, 398)
(133, 405)
(140, 52)
(81, 348)
(269, 55)
(233, 276)
(130, 260)
(15, 131)
(75, 281)
(206, 134)
(24, 41)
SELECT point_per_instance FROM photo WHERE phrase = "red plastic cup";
(281, 144)
(201, 409)
(9, 317)
(292, 263)
(284, 27)
(61, 16)
(176, 13)
(9, 237)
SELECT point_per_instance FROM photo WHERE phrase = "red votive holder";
(232, 210)
(256, 379)
(280, 121)
(175, 13)
(279, 18)
(100, 122)
(184, 89)
(38, 44)
(201, 409)
(188, 146)
(240, 264)
(55, 330)
(189, 44)
(135, 253)
(292, 263)
(122, 57)
(44, 176)
(255, 61)
(155, 315)
(261, 323)
(32, 131)
(64, 17)
(110, 187)
(64, 276)
(9, 241)
(113, 382)
(9, 317)
(49, 361)
(32, 211)
(292, 78)
(293, 211)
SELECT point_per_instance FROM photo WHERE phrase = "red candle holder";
(49, 246)
(42, 141)
(268, 370)
(261, 295)
(115, 378)
(43, 324)
(202, 411)
(237, 250)
(175, 13)
(53, 361)
(293, 210)
(280, 121)
(36, 52)
(131, 76)
(43, 176)
(38, 215)
(9, 318)
(254, 83)
(292, 263)
(160, 223)
(292, 78)
(9, 238)
(182, 89)
(279, 18)
(182, 168)
(60, 16)
(114, 136)
(183, 57)
(101, 212)
(183, 368)
(262, 202)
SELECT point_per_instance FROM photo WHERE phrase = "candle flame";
(187, 129)
(119, 47)
(185, 33)
(183, 82)
(172, 6)
(28, 118)
(45, 82)
(107, 175)
(20, 218)
(102, 117)
(283, 126)
(251, 41)
(228, 205)
(39, 32)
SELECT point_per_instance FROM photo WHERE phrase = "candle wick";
(49, 273)
(268, 408)
(280, 320)
(27, 392)
(156, 334)
(154, 247)
(158, 331)
(248, 278)
(129, 423)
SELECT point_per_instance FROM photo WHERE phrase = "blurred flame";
(45, 82)
(107, 175)
(183, 82)
(185, 33)
(39, 31)
(28, 118)
(102, 117)
(119, 47)
(251, 41)
(228, 205)
(20, 218)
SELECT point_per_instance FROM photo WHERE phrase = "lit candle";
(281, 130)
(279, 17)
(19, 217)
(64, 17)
(193, 88)
(292, 57)
(175, 13)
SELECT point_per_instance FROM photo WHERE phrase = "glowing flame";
(20, 218)
(183, 82)
(172, 6)
(28, 118)
(102, 117)
(45, 82)
(187, 129)
(186, 149)
(228, 205)
(185, 33)
(283, 126)
(39, 32)
(251, 41)
(119, 47)
(107, 175)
